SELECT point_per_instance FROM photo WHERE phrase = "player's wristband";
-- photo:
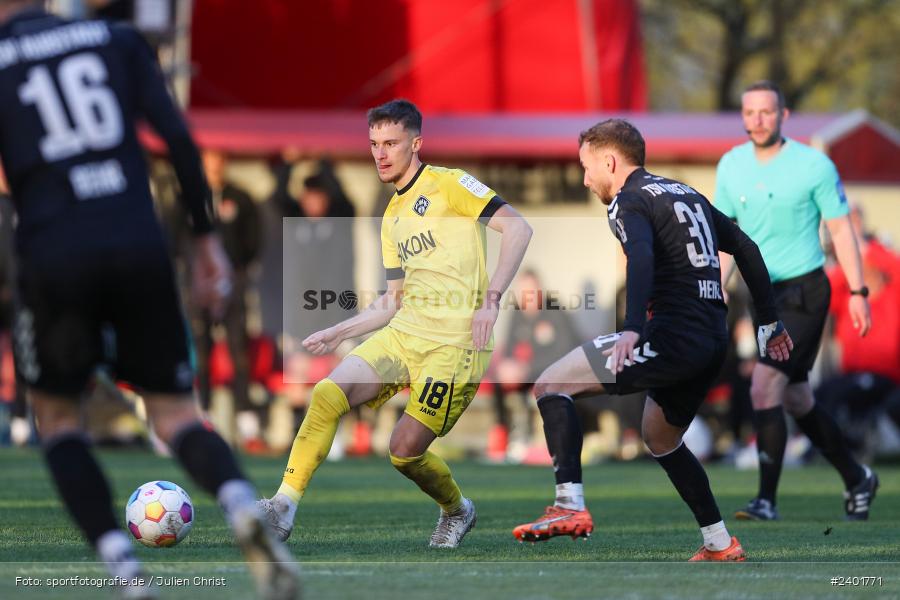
(863, 291)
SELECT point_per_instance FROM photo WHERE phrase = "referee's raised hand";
(211, 274)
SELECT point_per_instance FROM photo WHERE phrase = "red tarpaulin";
(461, 56)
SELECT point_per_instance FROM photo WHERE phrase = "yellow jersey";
(433, 236)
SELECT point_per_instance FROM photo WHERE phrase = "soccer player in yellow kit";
(434, 323)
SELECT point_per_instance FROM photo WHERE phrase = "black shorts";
(83, 304)
(803, 307)
(676, 368)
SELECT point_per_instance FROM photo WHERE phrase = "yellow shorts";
(442, 379)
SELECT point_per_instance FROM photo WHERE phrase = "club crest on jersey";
(421, 205)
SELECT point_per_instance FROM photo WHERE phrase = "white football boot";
(279, 513)
(452, 527)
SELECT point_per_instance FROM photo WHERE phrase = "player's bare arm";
(375, 316)
(515, 235)
(846, 247)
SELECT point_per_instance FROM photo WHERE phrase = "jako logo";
(322, 299)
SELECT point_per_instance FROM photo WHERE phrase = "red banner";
(459, 57)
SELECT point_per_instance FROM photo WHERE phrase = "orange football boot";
(556, 521)
(733, 553)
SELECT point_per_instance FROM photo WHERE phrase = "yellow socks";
(433, 477)
(315, 437)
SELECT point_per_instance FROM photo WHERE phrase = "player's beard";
(388, 176)
(773, 139)
(395, 176)
(604, 191)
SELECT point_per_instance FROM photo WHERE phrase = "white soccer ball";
(159, 514)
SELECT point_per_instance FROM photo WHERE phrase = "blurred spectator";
(869, 378)
(237, 221)
(539, 333)
(319, 263)
(172, 216)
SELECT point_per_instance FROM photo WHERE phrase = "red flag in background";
(467, 56)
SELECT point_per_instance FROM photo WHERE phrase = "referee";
(779, 191)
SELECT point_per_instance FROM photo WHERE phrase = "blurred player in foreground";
(671, 236)
(95, 282)
(434, 324)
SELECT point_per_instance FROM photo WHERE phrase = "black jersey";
(672, 236)
(70, 94)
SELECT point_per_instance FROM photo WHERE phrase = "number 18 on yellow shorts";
(442, 379)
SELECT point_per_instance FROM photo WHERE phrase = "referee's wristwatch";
(863, 291)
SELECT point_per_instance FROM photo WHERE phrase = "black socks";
(562, 430)
(826, 436)
(205, 456)
(81, 484)
(687, 475)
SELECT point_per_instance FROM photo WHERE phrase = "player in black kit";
(671, 236)
(95, 284)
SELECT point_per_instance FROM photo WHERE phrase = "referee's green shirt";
(780, 203)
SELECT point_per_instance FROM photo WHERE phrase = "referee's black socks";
(81, 484)
(687, 475)
(562, 430)
(826, 436)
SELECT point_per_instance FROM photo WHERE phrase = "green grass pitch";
(362, 532)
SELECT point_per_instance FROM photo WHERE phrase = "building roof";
(862, 146)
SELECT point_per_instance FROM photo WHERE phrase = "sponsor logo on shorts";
(641, 355)
(603, 340)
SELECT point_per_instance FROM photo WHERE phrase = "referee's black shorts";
(86, 303)
(676, 368)
(803, 307)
